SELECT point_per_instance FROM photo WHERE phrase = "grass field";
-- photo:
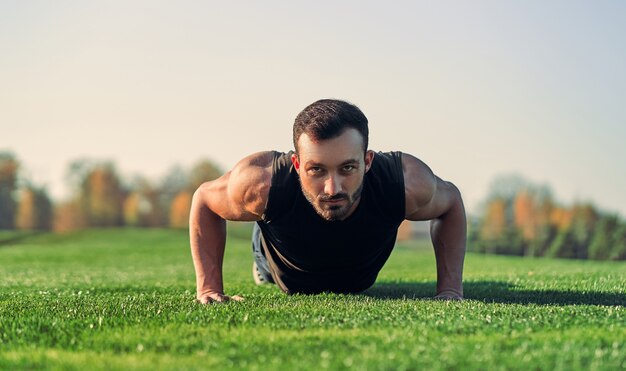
(124, 299)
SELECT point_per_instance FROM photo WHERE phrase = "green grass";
(124, 299)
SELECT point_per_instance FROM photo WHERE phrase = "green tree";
(618, 251)
(203, 171)
(507, 186)
(603, 239)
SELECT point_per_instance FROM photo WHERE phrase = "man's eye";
(348, 168)
(315, 170)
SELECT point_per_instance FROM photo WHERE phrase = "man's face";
(331, 172)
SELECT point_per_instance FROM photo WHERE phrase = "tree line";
(518, 217)
(521, 218)
(100, 197)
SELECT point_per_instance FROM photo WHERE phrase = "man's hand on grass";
(217, 298)
(447, 296)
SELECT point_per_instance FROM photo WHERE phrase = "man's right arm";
(241, 195)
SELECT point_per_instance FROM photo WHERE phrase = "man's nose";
(332, 186)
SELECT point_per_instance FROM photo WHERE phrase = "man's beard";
(332, 212)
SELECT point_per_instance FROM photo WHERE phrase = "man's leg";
(260, 268)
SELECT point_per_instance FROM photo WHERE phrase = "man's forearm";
(448, 234)
(207, 235)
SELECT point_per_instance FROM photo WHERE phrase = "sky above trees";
(475, 89)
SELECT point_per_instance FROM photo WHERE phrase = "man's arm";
(430, 198)
(241, 194)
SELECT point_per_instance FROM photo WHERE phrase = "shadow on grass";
(16, 237)
(497, 292)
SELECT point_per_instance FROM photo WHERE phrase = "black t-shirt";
(308, 254)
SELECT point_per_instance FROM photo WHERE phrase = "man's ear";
(296, 162)
(369, 157)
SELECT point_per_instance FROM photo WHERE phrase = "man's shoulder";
(256, 161)
(387, 166)
(412, 165)
(411, 169)
(265, 161)
(387, 158)
(255, 169)
(250, 181)
(420, 183)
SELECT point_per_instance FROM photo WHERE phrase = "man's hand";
(241, 194)
(218, 298)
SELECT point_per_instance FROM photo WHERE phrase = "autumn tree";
(98, 193)
(495, 222)
(142, 207)
(179, 212)
(497, 233)
(405, 231)
(522, 218)
(35, 211)
(69, 216)
(104, 197)
(175, 181)
(524, 214)
(561, 217)
(573, 241)
(532, 209)
(203, 171)
(8, 184)
(496, 230)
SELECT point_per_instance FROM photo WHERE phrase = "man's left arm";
(430, 198)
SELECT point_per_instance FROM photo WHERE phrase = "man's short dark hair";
(329, 118)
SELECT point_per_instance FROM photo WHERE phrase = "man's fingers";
(218, 298)
(204, 300)
(208, 299)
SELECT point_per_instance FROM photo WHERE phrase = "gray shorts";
(259, 255)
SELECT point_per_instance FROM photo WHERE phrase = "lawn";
(124, 299)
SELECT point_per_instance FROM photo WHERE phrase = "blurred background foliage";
(516, 218)
(100, 197)
(522, 218)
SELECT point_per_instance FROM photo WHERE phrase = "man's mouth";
(335, 199)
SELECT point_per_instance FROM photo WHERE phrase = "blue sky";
(475, 89)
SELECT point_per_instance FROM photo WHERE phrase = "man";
(327, 214)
